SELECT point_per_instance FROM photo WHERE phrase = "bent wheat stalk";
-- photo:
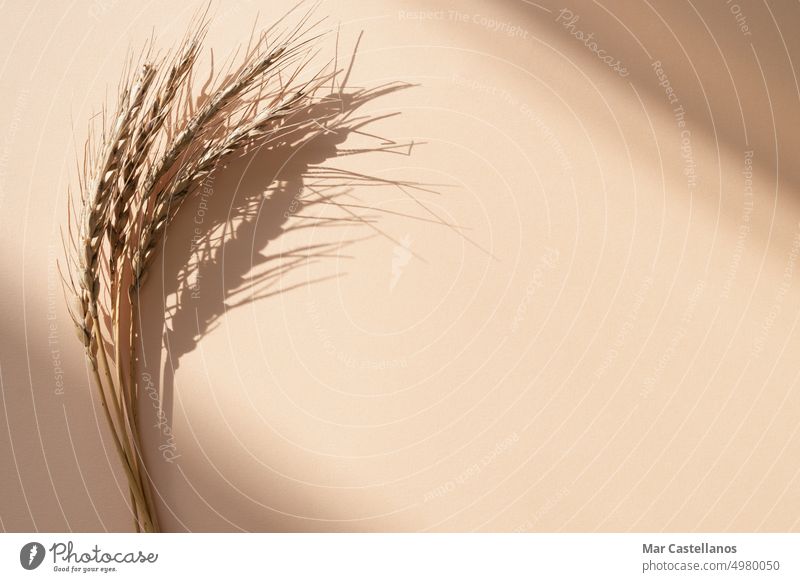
(145, 160)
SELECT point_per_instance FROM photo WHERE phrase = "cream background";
(645, 380)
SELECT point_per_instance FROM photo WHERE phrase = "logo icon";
(31, 555)
(401, 256)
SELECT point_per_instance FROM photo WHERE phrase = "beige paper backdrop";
(603, 338)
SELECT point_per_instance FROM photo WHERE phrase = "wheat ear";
(146, 161)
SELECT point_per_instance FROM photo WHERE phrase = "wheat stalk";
(146, 160)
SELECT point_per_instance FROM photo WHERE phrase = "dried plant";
(148, 156)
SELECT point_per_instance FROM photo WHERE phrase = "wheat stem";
(135, 492)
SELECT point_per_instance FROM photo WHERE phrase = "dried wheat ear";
(139, 166)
